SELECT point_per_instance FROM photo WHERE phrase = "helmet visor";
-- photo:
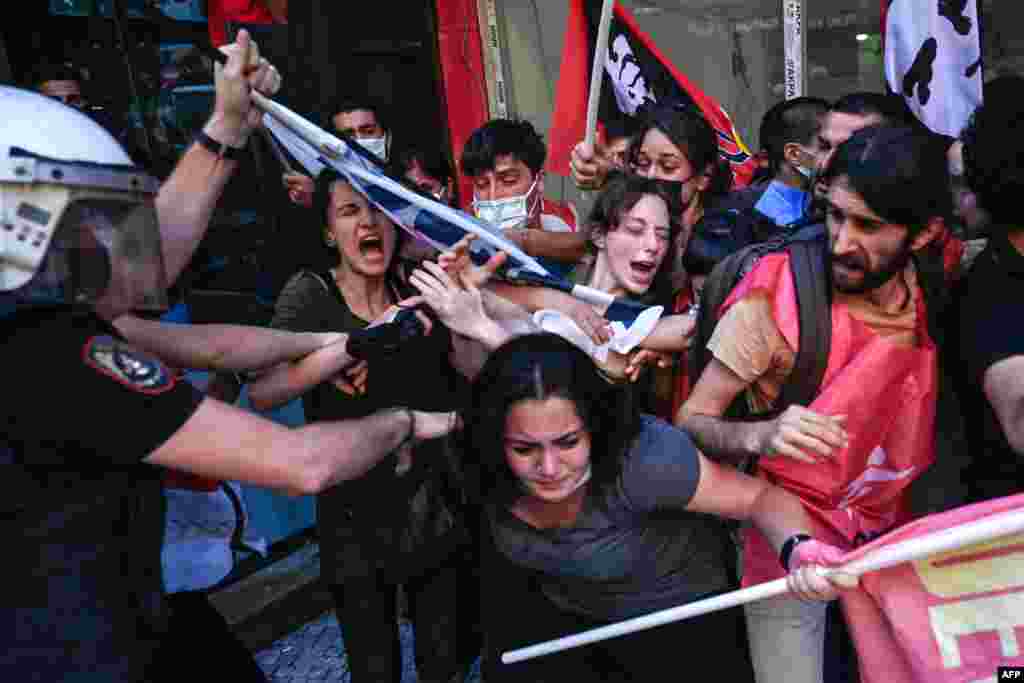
(105, 253)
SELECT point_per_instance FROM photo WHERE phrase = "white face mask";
(377, 146)
(511, 212)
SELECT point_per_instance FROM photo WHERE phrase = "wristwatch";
(221, 149)
(787, 548)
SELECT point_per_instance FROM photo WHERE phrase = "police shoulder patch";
(137, 370)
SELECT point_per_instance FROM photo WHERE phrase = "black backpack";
(808, 251)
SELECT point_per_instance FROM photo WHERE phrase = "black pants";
(516, 614)
(443, 606)
(198, 636)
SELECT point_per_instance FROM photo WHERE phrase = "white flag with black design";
(933, 59)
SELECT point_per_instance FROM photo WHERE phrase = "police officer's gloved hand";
(386, 339)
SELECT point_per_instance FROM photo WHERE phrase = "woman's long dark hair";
(620, 195)
(539, 367)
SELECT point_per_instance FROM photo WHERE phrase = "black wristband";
(221, 149)
(787, 548)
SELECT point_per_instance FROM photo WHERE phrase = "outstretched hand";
(457, 263)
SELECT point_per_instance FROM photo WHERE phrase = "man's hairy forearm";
(340, 451)
(222, 348)
(290, 380)
(722, 440)
(187, 199)
(568, 247)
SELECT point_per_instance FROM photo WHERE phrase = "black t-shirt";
(991, 309)
(82, 516)
(360, 522)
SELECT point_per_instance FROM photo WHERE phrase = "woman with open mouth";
(392, 526)
(676, 145)
(632, 228)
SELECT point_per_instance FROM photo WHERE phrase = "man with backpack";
(828, 340)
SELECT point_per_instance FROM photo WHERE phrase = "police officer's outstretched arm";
(188, 197)
(223, 442)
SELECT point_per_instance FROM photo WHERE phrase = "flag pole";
(597, 74)
(909, 550)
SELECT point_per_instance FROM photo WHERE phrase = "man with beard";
(851, 453)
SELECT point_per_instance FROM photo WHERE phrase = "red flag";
(460, 50)
(951, 618)
(220, 12)
(636, 75)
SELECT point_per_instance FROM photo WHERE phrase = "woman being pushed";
(590, 510)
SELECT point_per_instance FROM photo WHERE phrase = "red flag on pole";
(954, 617)
(636, 75)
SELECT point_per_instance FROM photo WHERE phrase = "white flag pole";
(597, 74)
(910, 550)
(794, 35)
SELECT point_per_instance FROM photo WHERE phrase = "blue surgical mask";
(376, 146)
(510, 212)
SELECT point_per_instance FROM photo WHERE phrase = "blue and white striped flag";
(425, 218)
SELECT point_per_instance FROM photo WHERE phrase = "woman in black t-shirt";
(590, 510)
(393, 525)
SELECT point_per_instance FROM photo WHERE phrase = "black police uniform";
(81, 515)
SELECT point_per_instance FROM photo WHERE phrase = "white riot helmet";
(77, 220)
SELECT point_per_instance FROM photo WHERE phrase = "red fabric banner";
(462, 70)
(643, 75)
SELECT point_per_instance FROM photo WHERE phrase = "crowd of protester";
(518, 477)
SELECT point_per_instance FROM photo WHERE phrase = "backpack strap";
(811, 281)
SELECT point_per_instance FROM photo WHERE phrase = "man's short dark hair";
(431, 160)
(798, 120)
(350, 104)
(899, 172)
(994, 157)
(890, 109)
(501, 137)
(620, 127)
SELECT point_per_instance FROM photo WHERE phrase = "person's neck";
(368, 297)
(602, 278)
(543, 514)
(893, 296)
(1016, 238)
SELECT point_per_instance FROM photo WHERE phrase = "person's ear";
(933, 230)
(599, 237)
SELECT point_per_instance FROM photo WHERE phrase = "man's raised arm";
(187, 199)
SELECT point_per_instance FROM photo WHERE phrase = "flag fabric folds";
(933, 59)
(636, 75)
(425, 218)
(951, 618)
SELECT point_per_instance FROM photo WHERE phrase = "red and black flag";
(636, 75)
